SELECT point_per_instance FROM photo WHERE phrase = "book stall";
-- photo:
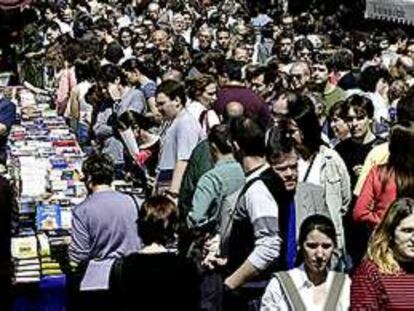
(44, 166)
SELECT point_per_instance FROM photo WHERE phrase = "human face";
(204, 38)
(223, 39)
(280, 108)
(410, 51)
(304, 55)
(299, 78)
(404, 239)
(339, 127)
(359, 123)
(286, 166)
(141, 33)
(285, 47)
(179, 24)
(258, 85)
(153, 11)
(317, 251)
(159, 38)
(319, 73)
(209, 96)
(52, 35)
(167, 107)
(187, 21)
(132, 76)
(241, 55)
(296, 133)
(126, 38)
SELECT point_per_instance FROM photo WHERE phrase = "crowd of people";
(274, 147)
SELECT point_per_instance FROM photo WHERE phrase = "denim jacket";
(336, 182)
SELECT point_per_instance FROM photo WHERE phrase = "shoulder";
(367, 269)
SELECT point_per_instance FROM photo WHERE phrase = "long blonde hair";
(381, 249)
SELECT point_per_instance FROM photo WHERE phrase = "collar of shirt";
(303, 279)
(225, 161)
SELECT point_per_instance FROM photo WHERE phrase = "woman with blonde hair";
(385, 278)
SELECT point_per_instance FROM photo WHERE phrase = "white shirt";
(314, 174)
(275, 298)
(196, 108)
(380, 106)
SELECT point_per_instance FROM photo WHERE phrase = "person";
(103, 229)
(232, 89)
(202, 92)
(311, 285)
(318, 165)
(180, 138)
(375, 82)
(358, 111)
(387, 182)
(384, 279)
(168, 281)
(213, 201)
(254, 242)
(300, 75)
(8, 204)
(148, 143)
(337, 129)
(7, 119)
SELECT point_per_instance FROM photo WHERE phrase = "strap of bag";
(291, 291)
(334, 292)
(228, 225)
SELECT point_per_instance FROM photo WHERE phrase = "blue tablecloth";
(48, 295)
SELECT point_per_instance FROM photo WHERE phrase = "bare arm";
(243, 274)
(178, 173)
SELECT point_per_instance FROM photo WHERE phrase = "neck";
(99, 188)
(251, 163)
(369, 137)
(316, 278)
(142, 79)
(235, 83)
(224, 157)
(153, 248)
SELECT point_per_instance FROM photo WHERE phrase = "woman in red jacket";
(385, 278)
(387, 182)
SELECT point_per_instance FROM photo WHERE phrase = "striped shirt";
(373, 290)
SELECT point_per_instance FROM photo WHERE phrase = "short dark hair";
(358, 103)
(132, 119)
(343, 60)
(197, 85)
(173, 90)
(147, 67)
(231, 68)
(405, 107)
(102, 24)
(99, 169)
(370, 77)
(219, 135)
(248, 135)
(157, 220)
(317, 222)
(114, 52)
(278, 142)
(110, 72)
